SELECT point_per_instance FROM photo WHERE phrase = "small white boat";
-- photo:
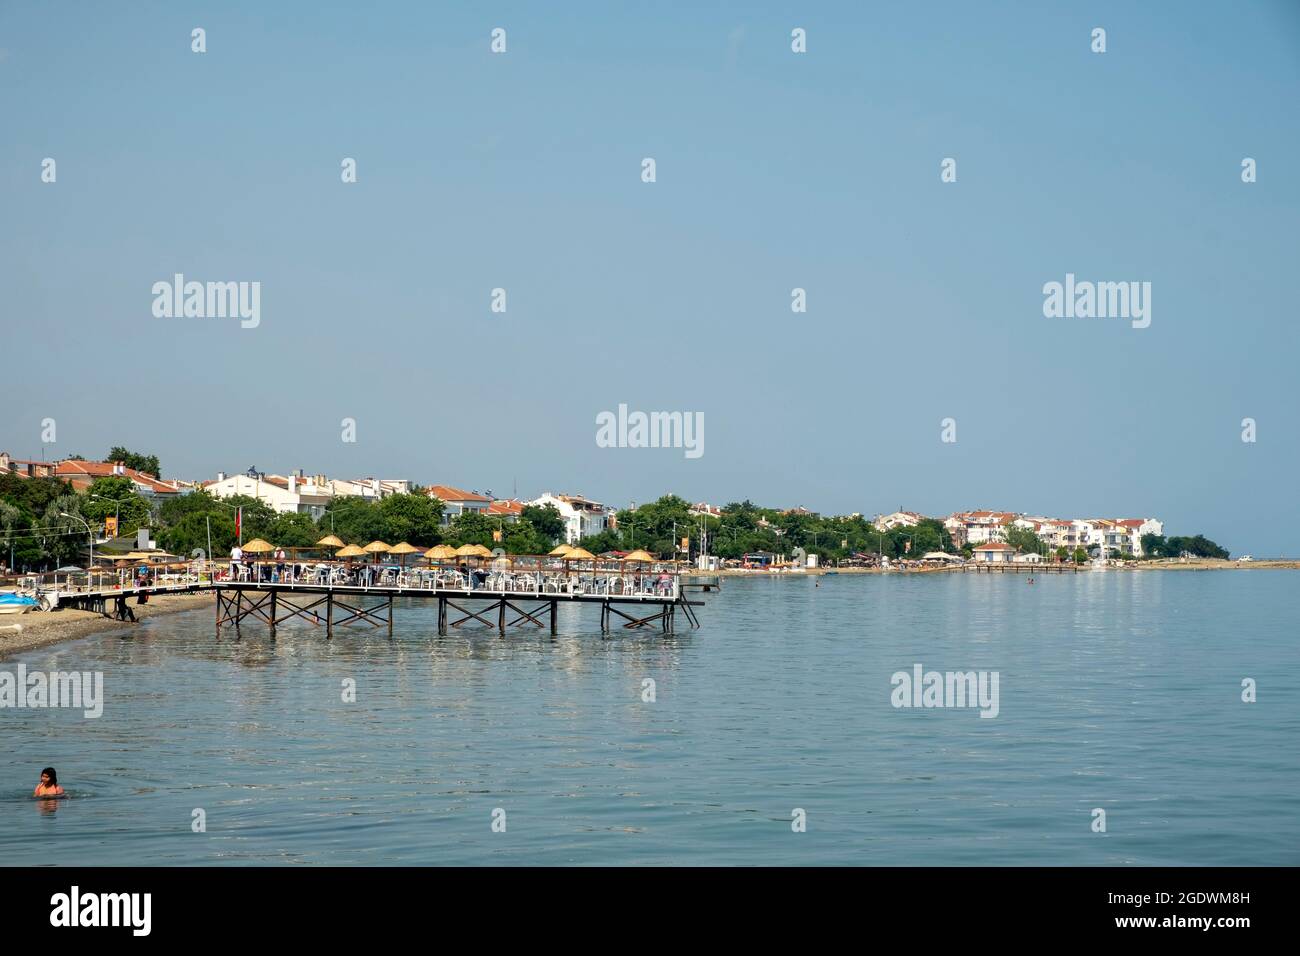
(11, 603)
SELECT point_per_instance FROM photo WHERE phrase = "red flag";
(239, 523)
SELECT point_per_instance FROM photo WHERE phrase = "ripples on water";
(1118, 690)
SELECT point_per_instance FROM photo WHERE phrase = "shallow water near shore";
(1117, 691)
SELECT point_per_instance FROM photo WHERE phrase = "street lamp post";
(89, 534)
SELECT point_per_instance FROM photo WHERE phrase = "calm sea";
(1119, 691)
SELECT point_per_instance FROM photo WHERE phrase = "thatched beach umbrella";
(560, 551)
(440, 552)
(329, 541)
(350, 552)
(258, 546)
(579, 554)
(377, 548)
(403, 549)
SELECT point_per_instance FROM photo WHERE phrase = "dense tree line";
(36, 529)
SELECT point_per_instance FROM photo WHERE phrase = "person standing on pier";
(236, 557)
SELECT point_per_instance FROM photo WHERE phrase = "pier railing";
(523, 575)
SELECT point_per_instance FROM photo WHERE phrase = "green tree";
(64, 539)
(607, 540)
(355, 520)
(190, 533)
(111, 496)
(472, 527)
(145, 463)
(293, 529)
(1025, 540)
(414, 518)
(547, 521)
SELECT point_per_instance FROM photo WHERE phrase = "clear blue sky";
(775, 170)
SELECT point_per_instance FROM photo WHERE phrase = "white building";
(283, 494)
(899, 519)
(995, 552)
(582, 516)
(979, 527)
(372, 488)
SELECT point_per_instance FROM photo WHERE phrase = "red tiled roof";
(448, 493)
(994, 546)
(506, 508)
(74, 469)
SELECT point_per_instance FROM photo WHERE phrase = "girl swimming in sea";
(49, 785)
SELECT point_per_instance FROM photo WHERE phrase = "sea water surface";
(1117, 690)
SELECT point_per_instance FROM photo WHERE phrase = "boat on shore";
(14, 603)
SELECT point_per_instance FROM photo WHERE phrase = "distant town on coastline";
(51, 511)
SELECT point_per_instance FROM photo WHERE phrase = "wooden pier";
(511, 600)
(334, 606)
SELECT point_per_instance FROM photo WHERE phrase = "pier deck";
(332, 604)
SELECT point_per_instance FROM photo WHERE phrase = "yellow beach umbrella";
(466, 551)
(351, 551)
(329, 541)
(640, 555)
(402, 549)
(440, 552)
(560, 551)
(579, 554)
(258, 546)
(377, 548)
(482, 551)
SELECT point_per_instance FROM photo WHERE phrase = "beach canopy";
(440, 551)
(375, 547)
(482, 551)
(940, 556)
(403, 548)
(329, 541)
(560, 551)
(467, 551)
(639, 555)
(579, 554)
(351, 551)
(258, 546)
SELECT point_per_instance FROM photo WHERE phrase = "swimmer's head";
(49, 777)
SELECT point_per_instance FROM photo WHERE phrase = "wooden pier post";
(329, 614)
(555, 605)
(390, 616)
(273, 615)
(501, 617)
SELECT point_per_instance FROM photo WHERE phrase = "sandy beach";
(40, 628)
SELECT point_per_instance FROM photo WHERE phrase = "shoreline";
(44, 628)
(1172, 564)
